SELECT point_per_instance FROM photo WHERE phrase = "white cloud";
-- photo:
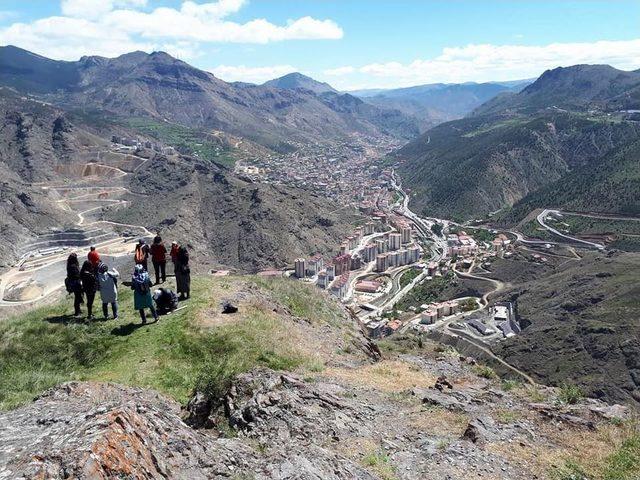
(258, 75)
(113, 27)
(95, 8)
(340, 71)
(196, 23)
(487, 62)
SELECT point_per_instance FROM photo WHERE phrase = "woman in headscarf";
(183, 273)
(141, 286)
(74, 283)
(108, 283)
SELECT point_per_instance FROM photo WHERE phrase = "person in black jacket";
(74, 283)
(89, 285)
(183, 273)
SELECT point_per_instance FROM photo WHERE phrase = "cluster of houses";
(139, 144)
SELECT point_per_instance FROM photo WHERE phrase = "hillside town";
(392, 251)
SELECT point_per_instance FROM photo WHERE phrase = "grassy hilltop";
(194, 347)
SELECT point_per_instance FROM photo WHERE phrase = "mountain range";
(230, 221)
(435, 103)
(159, 86)
(566, 140)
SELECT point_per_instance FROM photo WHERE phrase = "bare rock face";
(299, 419)
(105, 431)
(274, 425)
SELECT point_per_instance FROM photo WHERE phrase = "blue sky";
(349, 43)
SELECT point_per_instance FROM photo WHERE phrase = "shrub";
(485, 371)
(508, 385)
(570, 394)
(378, 462)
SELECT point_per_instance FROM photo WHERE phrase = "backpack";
(139, 255)
(140, 285)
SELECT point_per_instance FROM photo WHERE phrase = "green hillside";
(470, 167)
(194, 346)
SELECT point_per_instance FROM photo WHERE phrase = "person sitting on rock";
(89, 285)
(159, 259)
(73, 282)
(108, 283)
(141, 286)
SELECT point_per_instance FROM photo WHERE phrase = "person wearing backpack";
(108, 283)
(159, 259)
(183, 273)
(141, 286)
(89, 285)
(73, 283)
(141, 254)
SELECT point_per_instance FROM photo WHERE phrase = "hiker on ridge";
(141, 254)
(94, 257)
(159, 259)
(108, 283)
(73, 283)
(141, 286)
(174, 254)
(89, 286)
(183, 273)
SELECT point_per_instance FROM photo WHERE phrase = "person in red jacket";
(159, 259)
(94, 258)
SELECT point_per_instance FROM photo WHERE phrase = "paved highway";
(541, 219)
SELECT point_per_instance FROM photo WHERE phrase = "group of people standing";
(94, 276)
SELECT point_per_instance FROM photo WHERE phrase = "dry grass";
(589, 449)
(438, 421)
(254, 301)
(385, 376)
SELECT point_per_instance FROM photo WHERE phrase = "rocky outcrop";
(105, 431)
(274, 425)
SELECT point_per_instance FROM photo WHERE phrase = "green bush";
(508, 385)
(485, 371)
(570, 394)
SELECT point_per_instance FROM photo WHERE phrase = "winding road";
(40, 271)
(541, 219)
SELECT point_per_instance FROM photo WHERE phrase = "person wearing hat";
(174, 252)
